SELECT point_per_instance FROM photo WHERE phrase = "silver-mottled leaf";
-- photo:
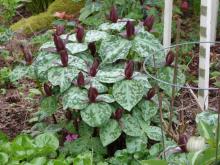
(96, 114)
(71, 37)
(95, 83)
(154, 133)
(114, 48)
(75, 98)
(135, 144)
(74, 48)
(112, 26)
(145, 44)
(62, 76)
(166, 74)
(18, 73)
(105, 98)
(95, 35)
(148, 108)
(110, 132)
(143, 79)
(49, 44)
(128, 93)
(78, 63)
(49, 105)
(110, 76)
(130, 126)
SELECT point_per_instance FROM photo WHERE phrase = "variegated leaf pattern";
(128, 93)
(166, 74)
(110, 76)
(135, 144)
(154, 133)
(62, 76)
(112, 26)
(78, 63)
(49, 44)
(105, 98)
(148, 108)
(130, 125)
(49, 105)
(145, 45)
(110, 132)
(99, 86)
(18, 73)
(114, 48)
(44, 62)
(74, 48)
(95, 35)
(143, 79)
(71, 37)
(97, 114)
(75, 98)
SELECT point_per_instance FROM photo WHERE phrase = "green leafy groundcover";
(43, 150)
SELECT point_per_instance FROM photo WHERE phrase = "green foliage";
(4, 76)
(38, 6)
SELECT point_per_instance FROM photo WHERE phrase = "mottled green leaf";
(3, 158)
(62, 76)
(128, 93)
(145, 45)
(143, 79)
(110, 76)
(112, 26)
(114, 48)
(131, 126)
(166, 74)
(148, 109)
(110, 132)
(49, 105)
(18, 73)
(49, 44)
(135, 144)
(75, 98)
(154, 162)
(95, 35)
(154, 133)
(74, 48)
(105, 98)
(78, 63)
(47, 140)
(96, 114)
(96, 84)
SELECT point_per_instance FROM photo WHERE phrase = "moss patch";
(44, 20)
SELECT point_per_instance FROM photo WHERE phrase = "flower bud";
(118, 113)
(92, 48)
(130, 30)
(149, 22)
(94, 68)
(80, 34)
(47, 89)
(59, 30)
(170, 58)
(113, 14)
(80, 79)
(64, 57)
(184, 5)
(58, 43)
(129, 69)
(182, 142)
(150, 94)
(27, 54)
(92, 94)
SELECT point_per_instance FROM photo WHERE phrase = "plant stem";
(217, 131)
(54, 119)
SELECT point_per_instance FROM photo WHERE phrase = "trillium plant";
(96, 75)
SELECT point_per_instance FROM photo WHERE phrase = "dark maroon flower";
(64, 57)
(60, 45)
(80, 33)
(93, 70)
(80, 79)
(118, 113)
(113, 15)
(130, 29)
(59, 30)
(150, 94)
(183, 139)
(129, 70)
(27, 54)
(149, 22)
(184, 5)
(92, 48)
(47, 89)
(170, 58)
(92, 94)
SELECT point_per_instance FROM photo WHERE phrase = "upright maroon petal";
(92, 48)
(58, 43)
(150, 94)
(129, 69)
(64, 57)
(27, 54)
(170, 58)
(149, 22)
(113, 16)
(92, 94)
(47, 89)
(183, 139)
(93, 70)
(80, 79)
(184, 5)
(59, 30)
(130, 29)
(80, 33)
(118, 113)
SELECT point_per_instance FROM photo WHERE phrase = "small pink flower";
(71, 137)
